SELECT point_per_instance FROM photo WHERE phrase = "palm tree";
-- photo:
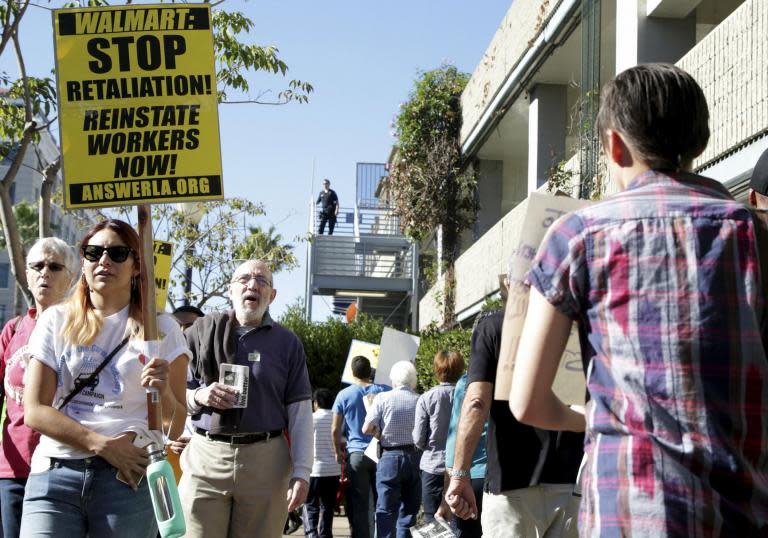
(267, 245)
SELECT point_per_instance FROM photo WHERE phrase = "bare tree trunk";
(450, 246)
(10, 230)
(46, 189)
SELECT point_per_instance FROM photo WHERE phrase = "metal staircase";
(367, 258)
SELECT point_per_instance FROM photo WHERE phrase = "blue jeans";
(361, 495)
(83, 497)
(399, 488)
(318, 508)
(11, 497)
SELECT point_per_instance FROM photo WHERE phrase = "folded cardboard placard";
(396, 346)
(542, 211)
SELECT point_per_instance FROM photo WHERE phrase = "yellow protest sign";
(162, 256)
(366, 349)
(138, 112)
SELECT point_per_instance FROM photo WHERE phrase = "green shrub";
(434, 340)
(326, 343)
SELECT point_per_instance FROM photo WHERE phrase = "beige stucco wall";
(520, 26)
(430, 306)
(731, 65)
(477, 269)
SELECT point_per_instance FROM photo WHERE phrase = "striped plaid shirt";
(394, 413)
(663, 280)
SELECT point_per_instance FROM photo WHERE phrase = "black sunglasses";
(53, 266)
(93, 253)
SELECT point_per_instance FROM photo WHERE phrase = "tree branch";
(28, 114)
(46, 188)
(256, 102)
(9, 28)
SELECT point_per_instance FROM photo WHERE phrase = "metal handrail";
(358, 221)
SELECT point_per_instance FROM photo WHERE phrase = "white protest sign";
(542, 211)
(396, 346)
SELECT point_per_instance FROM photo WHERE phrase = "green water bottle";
(165, 494)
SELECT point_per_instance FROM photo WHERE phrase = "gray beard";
(249, 316)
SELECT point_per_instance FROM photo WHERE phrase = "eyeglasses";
(246, 278)
(93, 253)
(53, 266)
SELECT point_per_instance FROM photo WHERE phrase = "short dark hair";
(361, 367)
(189, 309)
(661, 111)
(323, 398)
(449, 365)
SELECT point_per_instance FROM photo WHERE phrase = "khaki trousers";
(235, 491)
(543, 511)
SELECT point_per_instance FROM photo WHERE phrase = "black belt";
(239, 438)
(406, 448)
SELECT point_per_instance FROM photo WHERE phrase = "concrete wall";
(519, 27)
(477, 269)
(731, 65)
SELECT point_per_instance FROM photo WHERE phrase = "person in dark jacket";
(329, 208)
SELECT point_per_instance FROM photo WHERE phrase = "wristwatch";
(459, 473)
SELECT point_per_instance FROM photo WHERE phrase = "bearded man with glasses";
(238, 465)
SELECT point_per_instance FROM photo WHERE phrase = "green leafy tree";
(431, 186)
(212, 248)
(30, 100)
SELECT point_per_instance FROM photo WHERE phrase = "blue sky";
(361, 57)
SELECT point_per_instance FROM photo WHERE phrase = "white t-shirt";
(116, 402)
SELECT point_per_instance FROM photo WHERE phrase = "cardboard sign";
(569, 386)
(138, 113)
(367, 350)
(395, 346)
(162, 259)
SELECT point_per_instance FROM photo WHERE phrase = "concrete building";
(529, 108)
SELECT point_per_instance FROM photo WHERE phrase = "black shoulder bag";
(80, 384)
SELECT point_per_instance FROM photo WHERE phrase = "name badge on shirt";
(254, 356)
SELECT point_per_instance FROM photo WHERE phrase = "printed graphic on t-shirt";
(102, 390)
(14, 380)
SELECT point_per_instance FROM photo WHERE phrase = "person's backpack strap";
(760, 219)
(81, 384)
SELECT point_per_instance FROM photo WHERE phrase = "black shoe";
(293, 523)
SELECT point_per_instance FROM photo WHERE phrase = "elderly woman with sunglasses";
(50, 266)
(86, 472)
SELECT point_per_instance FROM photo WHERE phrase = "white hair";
(56, 247)
(402, 374)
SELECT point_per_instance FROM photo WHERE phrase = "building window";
(4, 273)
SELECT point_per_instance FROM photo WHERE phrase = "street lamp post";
(193, 212)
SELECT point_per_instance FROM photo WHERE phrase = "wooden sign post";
(151, 332)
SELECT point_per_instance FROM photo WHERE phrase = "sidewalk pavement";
(340, 529)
